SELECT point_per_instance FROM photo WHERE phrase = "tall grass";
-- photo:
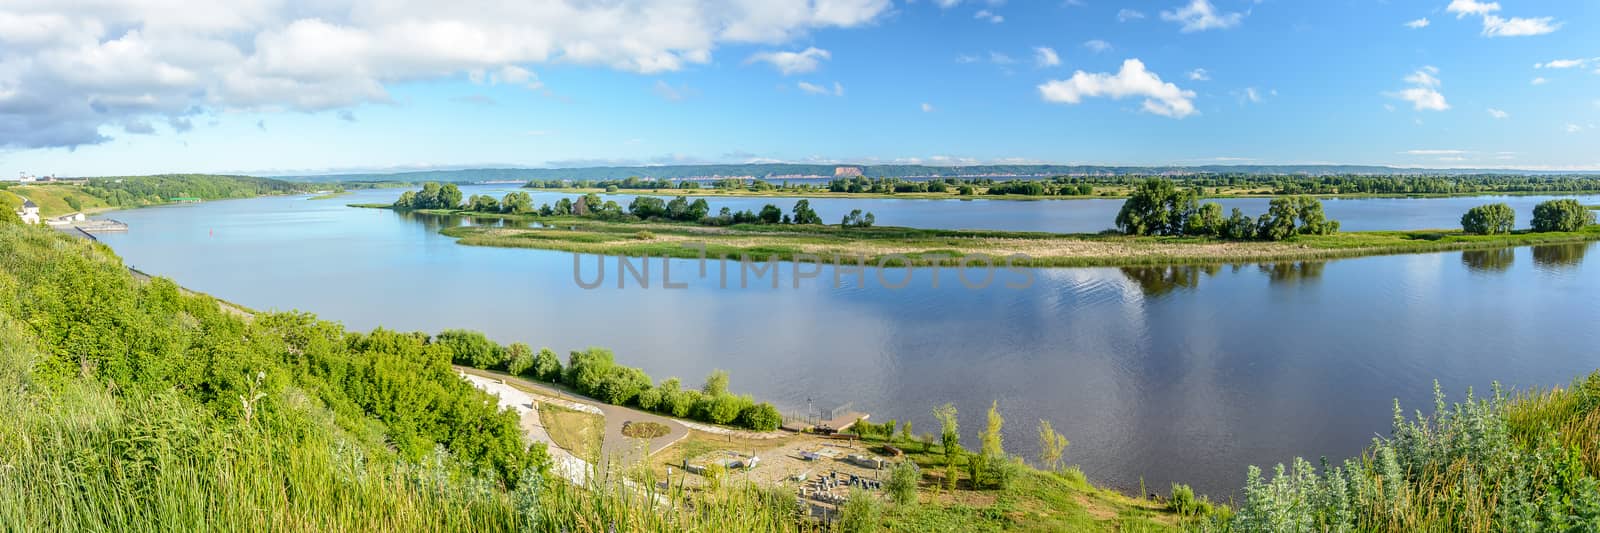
(1524, 462)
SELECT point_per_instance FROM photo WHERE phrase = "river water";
(1163, 374)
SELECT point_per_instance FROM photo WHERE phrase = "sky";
(275, 87)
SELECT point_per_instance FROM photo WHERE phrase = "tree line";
(679, 209)
(594, 372)
(1551, 216)
(1161, 207)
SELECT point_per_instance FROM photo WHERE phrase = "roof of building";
(26, 203)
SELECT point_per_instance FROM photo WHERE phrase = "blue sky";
(274, 87)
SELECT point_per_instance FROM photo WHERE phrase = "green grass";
(878, 245)
(330, 196)
(52, 199)
(576, 431)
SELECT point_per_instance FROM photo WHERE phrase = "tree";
(1052, 446)
(1312, 219)
(449, 196)
(647, 207)
(546, 366)
(1561, 215)
(1239, 226)
(716, 384)
(516, 203)
(856, 219)
(902, 485)
(803, 214)
(471, 348)
(949, 430)
(1278, 223)
(407, 200)
(991, 440)
(1157, 207)
(519, 359)
(1206, 221)
(698, 209)
(563, 207)
(587, 369)
(1489, 219)
(770, 214)
(905, 431)
(760, 417)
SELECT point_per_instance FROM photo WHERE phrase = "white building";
(29, 212)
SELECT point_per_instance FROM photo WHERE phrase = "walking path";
(566, 464)
(613, 445)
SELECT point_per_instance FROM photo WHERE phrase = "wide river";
(1171, 374)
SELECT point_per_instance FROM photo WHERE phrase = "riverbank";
(898, 247)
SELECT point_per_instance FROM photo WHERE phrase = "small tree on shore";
(1052, 446)
(1561, 215)
(1490, 219)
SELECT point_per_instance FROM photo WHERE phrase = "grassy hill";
(53, 199)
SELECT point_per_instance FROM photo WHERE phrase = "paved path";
(613, 445)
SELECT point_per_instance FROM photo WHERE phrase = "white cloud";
(811, 88)
(1423, 94)
(927, 107)
(947, 4)
(1044, 56)
(69, 68)
(1000, 59)
(1200, 15)
(1494, 26)
(1562, 63)
(1539, 81)
(1463, 8)
(1574, 128)
(1418, 24)
(1199, 74)
(1125, 15)
(792, 62)
(1097, 45)
(1251, 94)
(1161, 98)
(1496, 113)
(990, 16)
(1435, 152)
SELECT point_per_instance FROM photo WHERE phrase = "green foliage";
(1287, 217)
(770, 214)
(803, 214)
(991, 437)
(1495, 464)
(861, 513)
(546, 367)
(519, 359)
(433, 196)
(1561, 215)
(1489, 219)
(135, 191)
(471, 348)
(1207, 220)
(760, 417)
(1052, 446)
(1157, 207)
(855, 219)
(902, 484)
(949, 430)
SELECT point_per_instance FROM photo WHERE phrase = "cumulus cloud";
(1199, 74)
(1463, 8)
(1044, 56)
(1424, 92)
(812, 88)
(1494, 26)
(1097, 45)
(1418, 24)
(1564, 63)
(792, 62)
(1161, 98)
(68, 68)
(1200, 15)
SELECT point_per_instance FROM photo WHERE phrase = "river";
(1172, 374)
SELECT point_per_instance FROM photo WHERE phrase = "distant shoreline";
(1120, 195)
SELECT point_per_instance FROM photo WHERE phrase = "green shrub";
(1561, 215)
(902, 485)
(1490, 219)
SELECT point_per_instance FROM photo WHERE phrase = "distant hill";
(783, 170)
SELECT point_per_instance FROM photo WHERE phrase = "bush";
(1157, 207)
(902, 485)
(861, 513)
(1561, 215)
(1183, 501)
(761, 417)
(1206, 221)
(1490, 219)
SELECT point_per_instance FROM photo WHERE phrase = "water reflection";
(1155, 281)
(1292, 271)
(1560, 255)
(1498, 260)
